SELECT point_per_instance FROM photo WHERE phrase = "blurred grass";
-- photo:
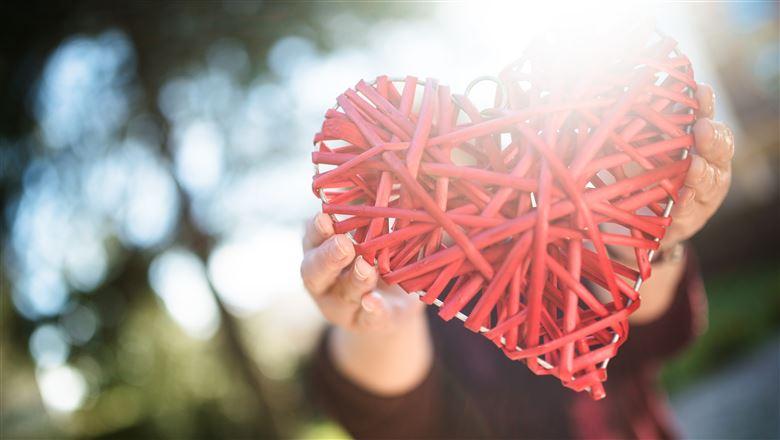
(323, 429)
(744, 311)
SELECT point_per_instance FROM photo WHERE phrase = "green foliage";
(744, 311)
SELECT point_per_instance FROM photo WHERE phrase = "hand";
(347, 289)
(709, 176)
(381, 340)
(703, 192)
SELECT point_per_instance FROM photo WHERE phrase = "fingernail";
(320, 223)
(729, 136)
(730, 147)
(362, 269)
(367, 302)
(342, 245)
(711, 105)
(713, 101)
(686, 196)
(697, 167)
(713, 131)
(723, 134)
(718, 135)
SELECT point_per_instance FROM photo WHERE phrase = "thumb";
(374, 311)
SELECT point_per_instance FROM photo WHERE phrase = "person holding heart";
(385, 369)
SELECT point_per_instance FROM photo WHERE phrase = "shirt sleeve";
(680, 324)
(415, 414)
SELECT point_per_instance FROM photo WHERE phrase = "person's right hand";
(347, 289)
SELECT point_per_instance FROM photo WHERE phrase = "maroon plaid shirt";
(474, 391)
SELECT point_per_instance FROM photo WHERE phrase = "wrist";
(411, 324)
(670, 253)
(386, 363)
(666, 253)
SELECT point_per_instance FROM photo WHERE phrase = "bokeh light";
(63, 388)
(158, 188)
(179, 278)
(234, 264)
(49, 346)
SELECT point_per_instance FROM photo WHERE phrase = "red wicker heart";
(503, 218)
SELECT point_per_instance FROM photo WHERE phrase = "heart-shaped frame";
(366, 105)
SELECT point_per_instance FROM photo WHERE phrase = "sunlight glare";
(179, 278)
(63, 388)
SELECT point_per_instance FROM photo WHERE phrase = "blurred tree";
(136, 80)
(165, 40)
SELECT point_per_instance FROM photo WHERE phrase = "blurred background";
(155, 171)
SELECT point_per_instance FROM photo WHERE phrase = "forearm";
(384, 363)
(657, 292)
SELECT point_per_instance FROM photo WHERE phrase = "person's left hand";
(709, 176)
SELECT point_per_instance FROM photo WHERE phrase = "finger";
(319, 229)
(686, 204)
(706, 97)
(322, 265)
(702, 178)
(696, 172)
(714, 142)
(336, 311)
(361, 278)
(374, 311)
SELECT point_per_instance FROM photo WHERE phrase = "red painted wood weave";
(506, 217)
